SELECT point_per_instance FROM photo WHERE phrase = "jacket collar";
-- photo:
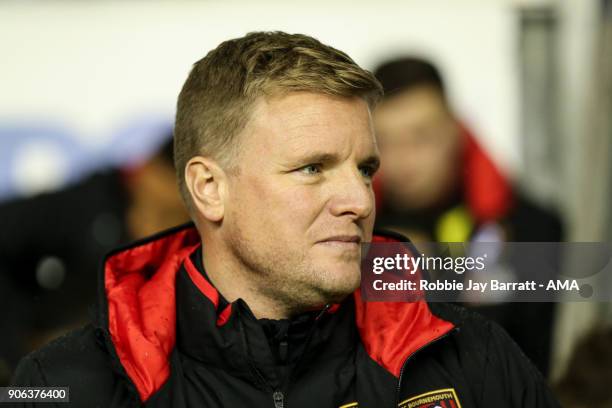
(138, 313)
(228, 336)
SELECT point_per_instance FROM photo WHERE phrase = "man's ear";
(206, 182)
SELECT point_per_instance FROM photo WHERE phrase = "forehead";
(302, 120)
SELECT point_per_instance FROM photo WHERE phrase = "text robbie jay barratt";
(492, 285)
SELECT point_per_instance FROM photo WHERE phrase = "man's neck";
(233, 282)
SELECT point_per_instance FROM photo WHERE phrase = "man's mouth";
(342, 241)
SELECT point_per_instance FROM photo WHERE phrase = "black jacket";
(165, 337)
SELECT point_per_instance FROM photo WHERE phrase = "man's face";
(301, 201)
(419, 146)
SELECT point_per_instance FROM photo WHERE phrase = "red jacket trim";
(207, 290)
(392, 331)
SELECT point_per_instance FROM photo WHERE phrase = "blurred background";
(87, 96)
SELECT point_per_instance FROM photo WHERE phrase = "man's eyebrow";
(327, 158)
(319, 157)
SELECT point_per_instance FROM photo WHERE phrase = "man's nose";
(352, 195)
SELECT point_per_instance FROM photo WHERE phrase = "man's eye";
(367, 171)
(310, 169)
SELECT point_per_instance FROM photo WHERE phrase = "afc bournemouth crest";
(446, 398)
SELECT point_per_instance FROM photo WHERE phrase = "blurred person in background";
(51, 246)
(438, 185)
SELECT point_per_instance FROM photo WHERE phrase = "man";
(438, 184)
(258, 303)
(50, 245)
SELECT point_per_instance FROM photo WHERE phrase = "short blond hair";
(218, 96)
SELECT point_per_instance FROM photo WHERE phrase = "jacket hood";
(137, 311)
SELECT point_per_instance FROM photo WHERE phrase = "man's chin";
(336, 290)
(326, 282)
(328, 297)
(320, 297)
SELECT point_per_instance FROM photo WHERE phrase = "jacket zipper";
(279, 399)
(278, 396)
(298, 363)
(399, 384)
